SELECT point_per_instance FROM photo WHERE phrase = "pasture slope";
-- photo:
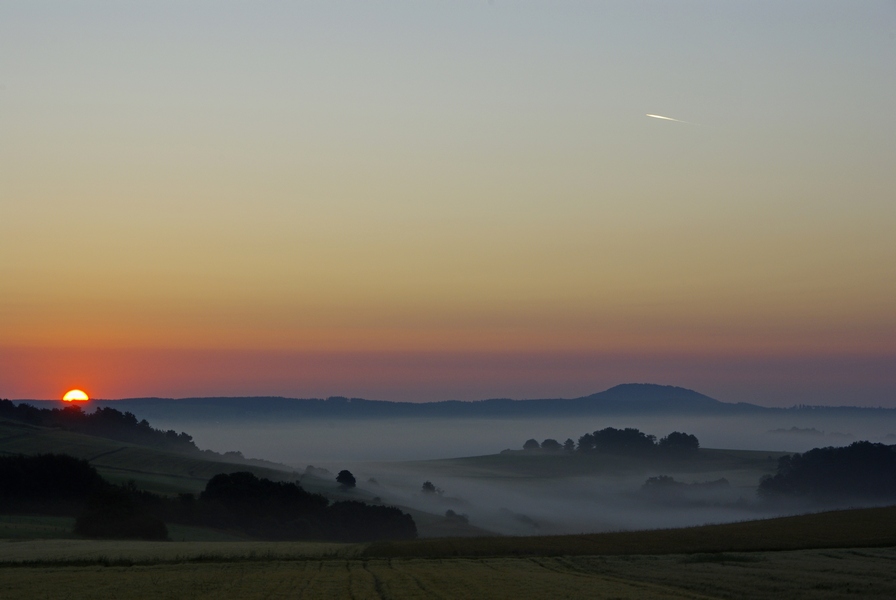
(820, 556)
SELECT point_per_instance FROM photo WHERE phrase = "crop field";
(815, 574)
(836, 554)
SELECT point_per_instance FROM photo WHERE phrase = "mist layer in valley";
(392, 458)
(303, 441)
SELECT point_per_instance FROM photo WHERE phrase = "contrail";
(669, 119)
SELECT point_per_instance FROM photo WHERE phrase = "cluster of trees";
(550, 445)
(283, 510)
(862, 471)
(121, 512)
(103, 422)
(261, 508)
(47, 483)
(621, 441)
(63, 485)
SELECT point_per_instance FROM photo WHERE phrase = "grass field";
(807, 574)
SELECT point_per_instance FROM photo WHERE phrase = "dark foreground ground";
(842, 554)
(815, 574)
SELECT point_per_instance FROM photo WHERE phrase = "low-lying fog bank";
(524, 506)
(520, 504)
(308, 441)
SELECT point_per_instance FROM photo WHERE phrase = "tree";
(586, 443)
(551, 445)
(569, 446)
(345, 479)
(679, 443)
(623, 441)
(428, 487)
(531, 445)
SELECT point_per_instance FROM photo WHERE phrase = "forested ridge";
(103, 422)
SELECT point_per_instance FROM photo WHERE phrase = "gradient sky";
(423, 201)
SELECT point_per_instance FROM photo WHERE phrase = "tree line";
(861, 471)
(240, 502)
(627, 441)
(104, 422)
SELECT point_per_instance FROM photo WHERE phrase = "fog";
(395, 452)
(537, 506)
(310, 441)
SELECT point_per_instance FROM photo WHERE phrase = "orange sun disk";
(75, 396)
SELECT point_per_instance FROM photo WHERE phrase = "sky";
(423, 201)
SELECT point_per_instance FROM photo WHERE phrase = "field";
(833, 555)
(816, 574)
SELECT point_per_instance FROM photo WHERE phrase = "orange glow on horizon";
(75, 396)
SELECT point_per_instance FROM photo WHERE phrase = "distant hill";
(652, 398)
(630, 399)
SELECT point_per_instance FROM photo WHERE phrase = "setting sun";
(75, 396)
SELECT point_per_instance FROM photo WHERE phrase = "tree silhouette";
(679, 443)
(551, 445)
(114, 513)
(345, 479)
(861, 471)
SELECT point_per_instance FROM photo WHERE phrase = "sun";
(75, 396)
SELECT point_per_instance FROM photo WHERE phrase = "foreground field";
(815, 574)
(826, 555)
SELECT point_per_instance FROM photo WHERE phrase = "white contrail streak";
(669, 119)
